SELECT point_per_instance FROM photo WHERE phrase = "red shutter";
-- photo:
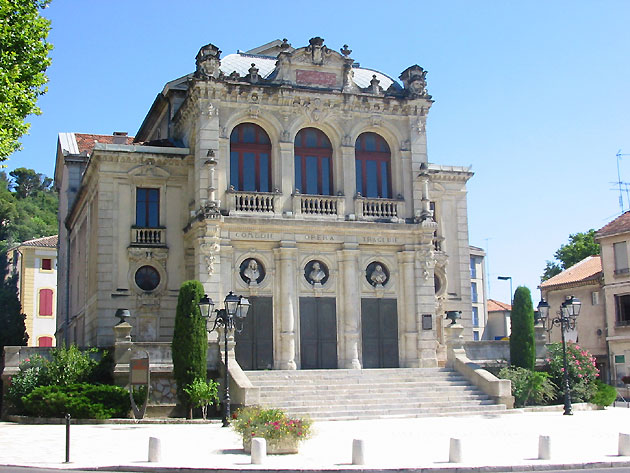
(46, 302)
(44, 342)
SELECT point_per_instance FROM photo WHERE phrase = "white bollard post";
(624, 445)
(455, 451)
(544, 447)
(358, 452)
(259, 451)
(155, 449)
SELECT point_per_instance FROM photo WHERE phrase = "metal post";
(226, 409)
(567, 393)
(67, 438)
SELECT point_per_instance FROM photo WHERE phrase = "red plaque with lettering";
(327, 79)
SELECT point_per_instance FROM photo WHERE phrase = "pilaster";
(285, 257)
(409, 341)
(351, 303)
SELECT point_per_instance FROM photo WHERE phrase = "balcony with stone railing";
(145, 236)
(254, 203)
(379, 209)
(327, 206)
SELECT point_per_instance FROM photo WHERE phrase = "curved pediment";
(149, 170)
(315, 66)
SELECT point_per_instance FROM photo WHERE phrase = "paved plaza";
(588, 438)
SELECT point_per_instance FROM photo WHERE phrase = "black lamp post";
(567, 319)
(505, 278)
(230, 319)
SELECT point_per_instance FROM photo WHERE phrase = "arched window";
(313, 160)
(250, 159)
(373, 166)
(45, 342)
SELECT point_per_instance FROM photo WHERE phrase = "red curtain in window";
(44, 342)
(46, 302)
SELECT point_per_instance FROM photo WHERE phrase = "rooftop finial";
(345, 51)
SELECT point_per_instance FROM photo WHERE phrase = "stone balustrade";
(319, 205)
(253, 202)
(376, 209)
(142, 236)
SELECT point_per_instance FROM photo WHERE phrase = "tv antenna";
(620, 184)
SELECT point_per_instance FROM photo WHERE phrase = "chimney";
(120, 137)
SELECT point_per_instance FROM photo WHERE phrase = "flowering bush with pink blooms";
(270, 424)
(581, 369)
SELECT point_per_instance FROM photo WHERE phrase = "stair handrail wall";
(499, 390)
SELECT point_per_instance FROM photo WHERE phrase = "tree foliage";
(190, 341)
(23, 64)
(28, 207)
(12, 320)
(580, 246)
(522, 339)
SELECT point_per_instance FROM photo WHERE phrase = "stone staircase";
(371, 393)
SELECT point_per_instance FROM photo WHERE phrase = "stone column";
(286, 257)
(351, 302)
(122, 352)
(406, 260)
(349, 181)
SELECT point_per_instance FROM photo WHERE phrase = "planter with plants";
(282, 433)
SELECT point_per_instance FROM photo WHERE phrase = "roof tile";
(496, 306)
(619, 225)
(47, 242)
(586, 270)
(86, 141)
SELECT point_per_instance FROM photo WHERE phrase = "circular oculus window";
(147, 278)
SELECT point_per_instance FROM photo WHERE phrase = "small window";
(46, 264)
(620, 359)
(620, 250)
(45, 342)
(147, 208)
(595, 297)
(473, 288)
(475, 316)
(473, 267)
(46, 302)
(622, 305)
(475, 335)
(147, 278)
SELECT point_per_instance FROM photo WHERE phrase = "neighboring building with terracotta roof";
(499, 321)
(583, 280)
(613, 239)
(35, 264)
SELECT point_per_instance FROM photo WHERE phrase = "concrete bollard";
(455, 451)
(155, 449)
(259, 451)
(624, 445)
(544, 447)
(358, 452)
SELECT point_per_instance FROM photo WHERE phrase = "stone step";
(383, 404)
(268, 398)
(341, 414)
(378, 393)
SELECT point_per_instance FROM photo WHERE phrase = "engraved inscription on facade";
(328, 79)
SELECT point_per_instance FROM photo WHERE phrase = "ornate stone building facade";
(291, 176)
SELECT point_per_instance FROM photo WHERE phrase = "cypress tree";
(522, 339)
(190, 341)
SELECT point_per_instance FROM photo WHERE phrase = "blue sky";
(533, 94)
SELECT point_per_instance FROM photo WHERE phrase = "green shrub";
(69, 366)
(529, 387)
(190, 341)
(31, 375)
(522, 340)
(605, 394)
(270, 424)
(581, 370)
(202, 393)
(81, 401)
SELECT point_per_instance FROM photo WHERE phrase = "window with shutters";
(45, 302)
(621, 257)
